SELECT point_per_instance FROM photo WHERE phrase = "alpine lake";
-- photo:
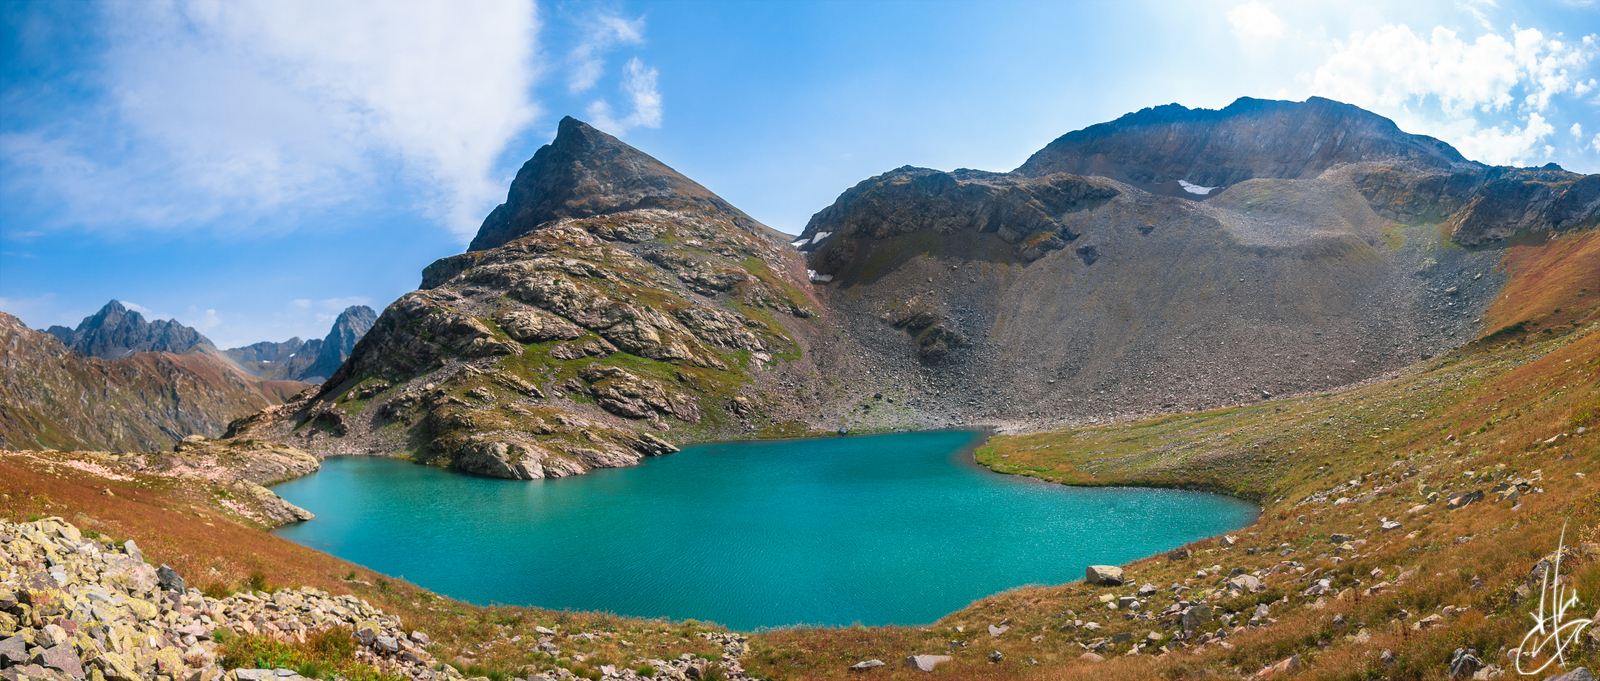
(901, 528)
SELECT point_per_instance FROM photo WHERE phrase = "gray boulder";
(1103, 575)
(168, 579)
(926, 663)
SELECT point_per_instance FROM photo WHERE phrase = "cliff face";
(54, 397)
(311, 361)
(622, 307)
(115, 331)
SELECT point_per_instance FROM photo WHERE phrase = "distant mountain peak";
(115, 331)
(585, 172)
(311, 361)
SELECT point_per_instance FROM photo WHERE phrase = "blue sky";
(252, 167)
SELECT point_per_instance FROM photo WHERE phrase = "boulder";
(926, 663)
(1103, 575)
(1463, 663)
(866, 664)
(1195, 616)
(168, 579)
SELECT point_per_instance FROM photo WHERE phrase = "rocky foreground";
(74, 608)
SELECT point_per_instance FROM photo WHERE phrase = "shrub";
(257, 581)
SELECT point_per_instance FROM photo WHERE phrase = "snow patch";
(819, 277)
(797, 244)
(1195, 188)
(820, 236)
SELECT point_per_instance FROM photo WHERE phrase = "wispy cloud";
(241, 109)
(1255, 25)
(639, 88)
(603, 32)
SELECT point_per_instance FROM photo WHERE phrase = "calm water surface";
(886, 529)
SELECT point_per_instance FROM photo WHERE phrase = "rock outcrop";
(115, 331)
(54, 397)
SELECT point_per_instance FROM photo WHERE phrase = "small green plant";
(645, 670)
(257, 581)
(351, 577)
(216, 590)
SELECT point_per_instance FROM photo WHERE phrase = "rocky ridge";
(54, 397)
(115, 332)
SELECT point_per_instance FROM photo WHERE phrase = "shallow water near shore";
(883, 529)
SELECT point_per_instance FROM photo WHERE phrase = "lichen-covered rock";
(100, 612)
(536, 326)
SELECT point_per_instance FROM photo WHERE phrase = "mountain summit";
(1156, 148)
(585, 172)
(115, 331)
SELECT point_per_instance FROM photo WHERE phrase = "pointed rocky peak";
(1187, 152)
(115, 331)
(585, 172)
(351, 325)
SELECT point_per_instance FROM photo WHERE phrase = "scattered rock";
(866, 664)
(1103, 575)
(926, 663)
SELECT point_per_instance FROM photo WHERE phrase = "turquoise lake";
(883, 529)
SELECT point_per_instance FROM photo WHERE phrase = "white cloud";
(1595, 143)
(1576, 130)
(250, 107)
(604, 32)
(1254, 21)
(639, 86)
(1392, 65)
(202, 321)
(1514, 146)
(1475, 8)
(1548, 64)
(147, 312)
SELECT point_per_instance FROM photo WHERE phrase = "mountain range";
(1174, 259)
(118, 382)
(311, 361)
(53, 397)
